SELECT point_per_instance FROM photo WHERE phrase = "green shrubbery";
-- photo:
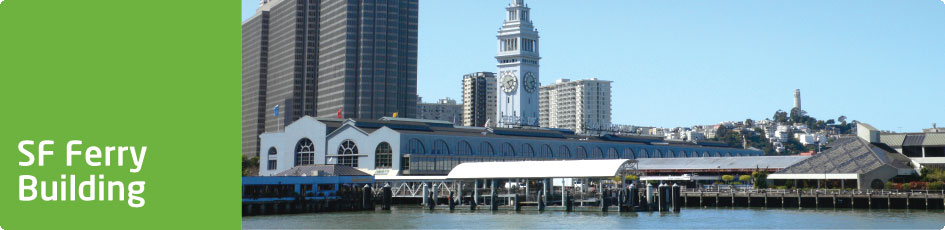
(891, 185)
(936, 185)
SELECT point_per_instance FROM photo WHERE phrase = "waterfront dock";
(823, 198)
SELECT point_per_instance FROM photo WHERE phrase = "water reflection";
(720, 218)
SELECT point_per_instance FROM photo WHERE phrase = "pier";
(822, 198)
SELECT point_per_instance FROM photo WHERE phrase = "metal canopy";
(542, 169)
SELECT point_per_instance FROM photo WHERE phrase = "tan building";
(479, 99)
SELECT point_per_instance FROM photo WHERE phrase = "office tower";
(319, 57)
(479, 98)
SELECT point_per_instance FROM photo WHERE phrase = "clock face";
(530, 83)
(509, 82)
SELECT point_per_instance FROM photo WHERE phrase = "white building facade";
(517, 59)
(414, 147)
(583, 105)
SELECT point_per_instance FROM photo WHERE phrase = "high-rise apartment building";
(479, 98)
(319, 57)
(517, 102)
(442, 110)
(583, 105)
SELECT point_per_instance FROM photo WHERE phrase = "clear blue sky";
(682, 63)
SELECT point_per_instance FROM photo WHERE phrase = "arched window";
(348, 152)
(716, 154)
(382, 156)
(415, 146)
(643, 154)
(463, 148)
(705, 154)
(563, 152)
(304, 152)
(628, 154)
(545, 151)
(272, 164)
(527, 150)
(440, 147)
(693, 153)
(612, 153)
(485, 149)
(581, 153)
(507, 150)
(597, 153)
(656, 154)
(669, 154)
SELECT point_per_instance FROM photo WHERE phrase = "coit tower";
(518, 68)
(797, 99)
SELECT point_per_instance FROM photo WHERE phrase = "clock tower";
(517, 77)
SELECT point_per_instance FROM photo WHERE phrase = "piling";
(434, 194)
(426, 194)
(475, 198)
(604, 201)
(568, 202)
(367, 198)
(388, 195)
(451, 202)
(621, 196)
(493, 205)
(541, 200)
(676, 195)
(649, 196)
(661, 201)
(518, 203)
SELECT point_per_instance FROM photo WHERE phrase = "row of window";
(347, 151)
(440, 147)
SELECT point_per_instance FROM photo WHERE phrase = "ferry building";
(391, 147)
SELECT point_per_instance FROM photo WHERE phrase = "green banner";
(151, 89)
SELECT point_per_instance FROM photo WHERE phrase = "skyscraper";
(367, 63)
(318, 57)
(479, 98)
(583, 105)
(255, 51)
(518, 68)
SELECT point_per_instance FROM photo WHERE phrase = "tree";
(744, 178)
(830, 122)
(780, 116)
(749, 122)
(250, 165)
(843, 120)
(760, 179)
(728, 178)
